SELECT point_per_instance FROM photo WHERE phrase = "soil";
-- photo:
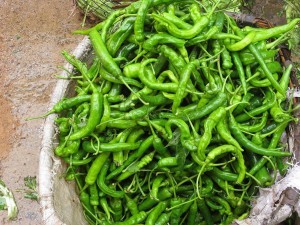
(33, 33)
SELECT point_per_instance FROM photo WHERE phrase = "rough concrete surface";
(32, 35)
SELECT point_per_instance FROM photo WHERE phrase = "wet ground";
(33, 33)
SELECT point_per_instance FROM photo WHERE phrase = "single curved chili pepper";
(203, 36)
(96, 112)
(211, 204)
(145, 145)
(256, 82)
(239, 67)
(66, 104)
(223, 130)
(223, 174)
(105, 87)
(284, 82)
(135, 219)
(157, 142)
(148, 78)
(248, 39)
(247, 144)
(90, 147)
(139, 113)
(106, 115)
(274, 31)
(192, 213)
(84, 198)
(78, 162)
(116, 205)
(167, 162)
(109, 77)
(132, 70)
(131, 205)
(105, 206)
(186, 139)
(121, 124)
(162, 38)
(226, 60)
(205, 212)
(155, 186)
(209, 124)
(156, 212)
(175, 213)
(156, 100)
(168, 17)
(256, 127)
(120, 35)
(226, 149)
(96, 167)
(103, 187)
(140, 20)
(269, 101)
(184, 78)
(94, 197)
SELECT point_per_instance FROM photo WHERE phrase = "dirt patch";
(8, 122)
(7, 128)
(35, 34)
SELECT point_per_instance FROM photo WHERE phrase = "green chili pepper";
(136, 167)
(185, 138)
(149, 202)
(119, 36)
(198, 113)
(269, 101)
(135, 219)
(163, 219)
(140, 20)
(256, 127)
(145, 145)
(247, 144)
(91, 147)
(209, 124)
(162, 38)
(103, 187)
(131, 205)
(156, 212)
(274, 31)
(96, 167)
(179, 95)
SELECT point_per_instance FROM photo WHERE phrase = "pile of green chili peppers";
(178, 118)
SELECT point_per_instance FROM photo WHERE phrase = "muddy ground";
(33, 33)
